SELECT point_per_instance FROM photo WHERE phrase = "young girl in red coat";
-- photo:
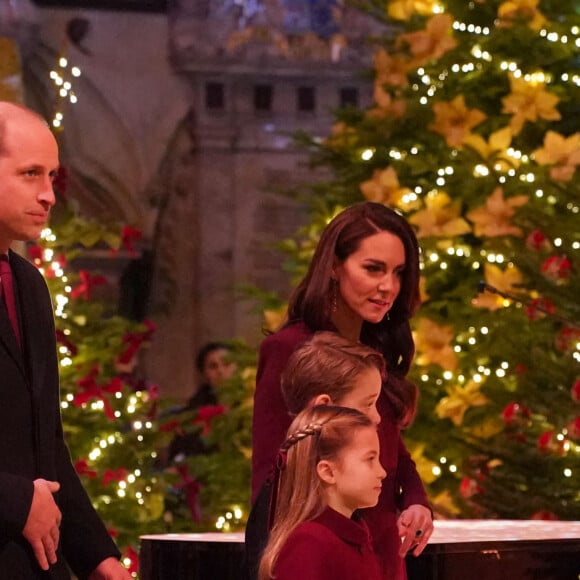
(329, 468)
(326, 370)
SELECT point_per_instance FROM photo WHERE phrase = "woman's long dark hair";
(391, 336)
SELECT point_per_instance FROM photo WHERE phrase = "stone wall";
(146, 146)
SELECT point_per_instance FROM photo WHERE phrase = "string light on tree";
(63, 78)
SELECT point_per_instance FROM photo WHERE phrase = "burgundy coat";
(331, 547)
(401, 488)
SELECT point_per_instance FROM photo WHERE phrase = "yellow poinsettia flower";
(562, 152)
(404, 9)
(459, 399)
(390, 70)
(507, 281)
(443, 505)
(440, 218)
(424, 466)
(384, 188)
(494, 150)
(493, 218)
(273, 319)
(341, 135)
(432, 42)
(454, 120)
(516, 9)
(529, 101)
(433, 343)
(386, 105)
(488, 428)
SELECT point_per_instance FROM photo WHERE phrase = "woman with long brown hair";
(363, 283)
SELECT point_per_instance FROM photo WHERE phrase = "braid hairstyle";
(327, 364)
(316, 434)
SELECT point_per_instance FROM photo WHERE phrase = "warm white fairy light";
(367, 154)
(481, 170)
(62, 80)
(95, 454)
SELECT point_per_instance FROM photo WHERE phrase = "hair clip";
(280, 461)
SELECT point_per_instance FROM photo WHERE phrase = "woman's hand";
(415, 528)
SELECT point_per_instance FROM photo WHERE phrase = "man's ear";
(325, 471)
(322, 399)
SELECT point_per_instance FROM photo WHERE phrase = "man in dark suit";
(46, 518)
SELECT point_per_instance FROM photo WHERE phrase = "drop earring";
(333, 295)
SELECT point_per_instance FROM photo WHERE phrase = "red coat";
(331, 547)
(271, 421)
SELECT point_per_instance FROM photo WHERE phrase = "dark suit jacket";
(32, 444)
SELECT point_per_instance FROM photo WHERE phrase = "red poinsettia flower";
(91, 390)
(515, 414)
(128, 236)
(192, 488)
(557, 268)
(469, 487)
(205, 416)
(130, 560)
(549, 443)
(36, 253)
(114, 475)
(536, 240)
(575, 391)
(173, 426)
(134, 341)
(86, 285)
(82, 468)
(538, 306)
(567, 339)
(574, 428)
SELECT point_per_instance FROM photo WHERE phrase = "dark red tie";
(7, 293)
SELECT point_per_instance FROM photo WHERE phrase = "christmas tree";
(215, 490)
(473, 137)
(109, 415)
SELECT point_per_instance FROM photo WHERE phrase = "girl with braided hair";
(329, 467)
(362, 283)
(328, 369)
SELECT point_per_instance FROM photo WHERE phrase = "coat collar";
(7, 338)
(352, 531)
(28, 304)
